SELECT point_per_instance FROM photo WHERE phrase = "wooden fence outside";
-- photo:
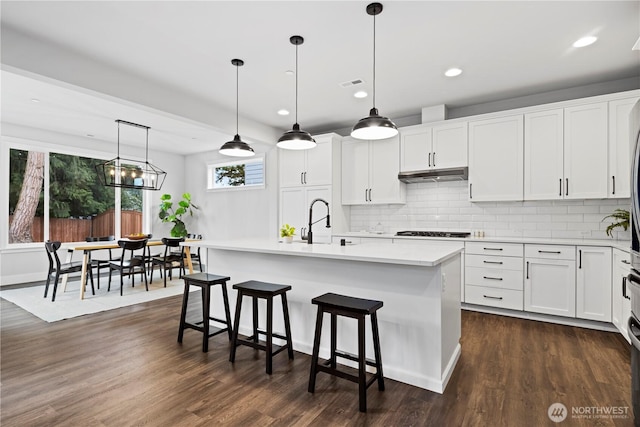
(77, 229)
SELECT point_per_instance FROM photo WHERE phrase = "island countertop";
(405, 254)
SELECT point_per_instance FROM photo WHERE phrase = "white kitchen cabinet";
(585, 151)
(370, 172)
(294, 210)
(550, 280)
(496, 159)
(593, 283)
(307, 167)
(544, 155)
(620, 147)
(433, 147)
(620, 300)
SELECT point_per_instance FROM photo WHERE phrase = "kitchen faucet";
(309, 236)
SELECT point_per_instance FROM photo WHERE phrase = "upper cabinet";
(433, 147)
(496, 159)
(544, 155)
(620, 147)
(370, 172)
(307, 167)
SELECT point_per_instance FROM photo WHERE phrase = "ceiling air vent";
(351, 83)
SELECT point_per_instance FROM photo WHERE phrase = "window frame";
(211, 166)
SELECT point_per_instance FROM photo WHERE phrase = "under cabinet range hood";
(435, 175)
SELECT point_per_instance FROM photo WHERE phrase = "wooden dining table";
(87, 248)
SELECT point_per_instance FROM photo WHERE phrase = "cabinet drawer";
(495, 278)
(491, 262)
(494, 297)
(491, 248)
(550, 252)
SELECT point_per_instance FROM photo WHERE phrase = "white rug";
(68, 304)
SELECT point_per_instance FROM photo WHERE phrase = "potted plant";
(287, 232)
(622, 217)
(169, 214)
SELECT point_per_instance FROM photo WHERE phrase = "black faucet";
(311, 222)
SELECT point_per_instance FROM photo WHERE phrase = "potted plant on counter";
(169, 214)
(287, 232)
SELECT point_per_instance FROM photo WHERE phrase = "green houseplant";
(287, 232)
(622, 218)
(169, 214)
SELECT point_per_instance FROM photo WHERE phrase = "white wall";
(445, 207)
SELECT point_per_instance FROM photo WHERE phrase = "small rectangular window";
(236, 174)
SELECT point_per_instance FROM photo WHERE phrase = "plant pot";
(287, 239)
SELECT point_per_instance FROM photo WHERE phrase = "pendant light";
(129, 173)
(374, 126)
(296, 139)
(236, 147)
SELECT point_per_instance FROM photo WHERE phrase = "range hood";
(435, 175)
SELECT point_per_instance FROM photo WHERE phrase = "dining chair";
(170, 259)
(129, 266)
(57, 268)
(194, 256)
(100, 263)
(147, 256)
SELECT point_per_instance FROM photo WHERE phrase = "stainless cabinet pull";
(527, 269)
(613, 178)
(434, 159)
(566, 190)
(492, 249)
(579, 258)
(492, 262)
(429, 159)
(490, 297)
(550, 252)
(492, 278)
(560, 187)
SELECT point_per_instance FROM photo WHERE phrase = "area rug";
(68, 304)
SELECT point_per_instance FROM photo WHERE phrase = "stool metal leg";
(316, 350)
(362, 366)
(287, 326)
(334, 339)
(225, 297)
(183, 313)
(269, 346)
(376, 349)
(236, 325)
(206, 302)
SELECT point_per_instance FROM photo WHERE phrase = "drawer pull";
(550, 252)
(492, 278)
(626, 261)
(490, 297)
(492, 249)
(492, 262)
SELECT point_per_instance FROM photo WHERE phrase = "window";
(56, 196)
(238, 174)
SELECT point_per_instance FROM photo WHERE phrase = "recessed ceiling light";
(585, 41)
(452, 72)
(36, 100)
(360, 94)
(289, 72)
(283, 112)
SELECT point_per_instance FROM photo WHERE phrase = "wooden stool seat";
(205, 281)
(357, 308)
(267, 291)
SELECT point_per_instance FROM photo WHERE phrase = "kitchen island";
(419, 285)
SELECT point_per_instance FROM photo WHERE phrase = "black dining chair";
(147, 256)
(195, 257)
(129, 266)
(100, 263)
(170, 260)
(56, 268)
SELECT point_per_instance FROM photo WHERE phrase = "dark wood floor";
(123, 367)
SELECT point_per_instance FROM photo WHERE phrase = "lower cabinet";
(620, 300)
(593, 283)
(550, 280)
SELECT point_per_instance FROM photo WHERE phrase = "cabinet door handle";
(470, 190)
(492, 262)
(366, 194)
(434, 159)
(527, 269)
(613, 178)
(492, 249)
(305, 177)
(625, 261)
(369, 194)
(550, 252)
(560, 187)
(301, 179)
(429, 159)
(579, 258)
(490, 297)
(624, 288)
(566, 190)
(491, 278)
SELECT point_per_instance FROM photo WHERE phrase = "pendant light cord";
(118, 140)
(296, 83)
(374, 61)
(237, 95)
(146, 154)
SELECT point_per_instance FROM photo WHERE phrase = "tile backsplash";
(444, 206)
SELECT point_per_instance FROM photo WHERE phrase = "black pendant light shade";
(296, 139)
(237, 147)
(130, 173)
(374, 126)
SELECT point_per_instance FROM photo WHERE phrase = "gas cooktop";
(455, 234)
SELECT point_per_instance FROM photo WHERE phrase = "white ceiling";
(505, 49)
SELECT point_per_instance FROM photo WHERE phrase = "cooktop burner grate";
(454, 234)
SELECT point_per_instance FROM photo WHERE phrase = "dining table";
(89, 247)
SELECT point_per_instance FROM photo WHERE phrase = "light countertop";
(427, 255)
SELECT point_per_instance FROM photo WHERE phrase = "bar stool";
(267, 291)
(205, 281)
(356, 308)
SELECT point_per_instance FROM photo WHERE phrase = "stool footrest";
(352, 357)
(345, 375)
(261, 345)
(273, 334)
(215, 330)
(224, 322)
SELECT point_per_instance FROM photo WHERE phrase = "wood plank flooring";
(124, 368)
